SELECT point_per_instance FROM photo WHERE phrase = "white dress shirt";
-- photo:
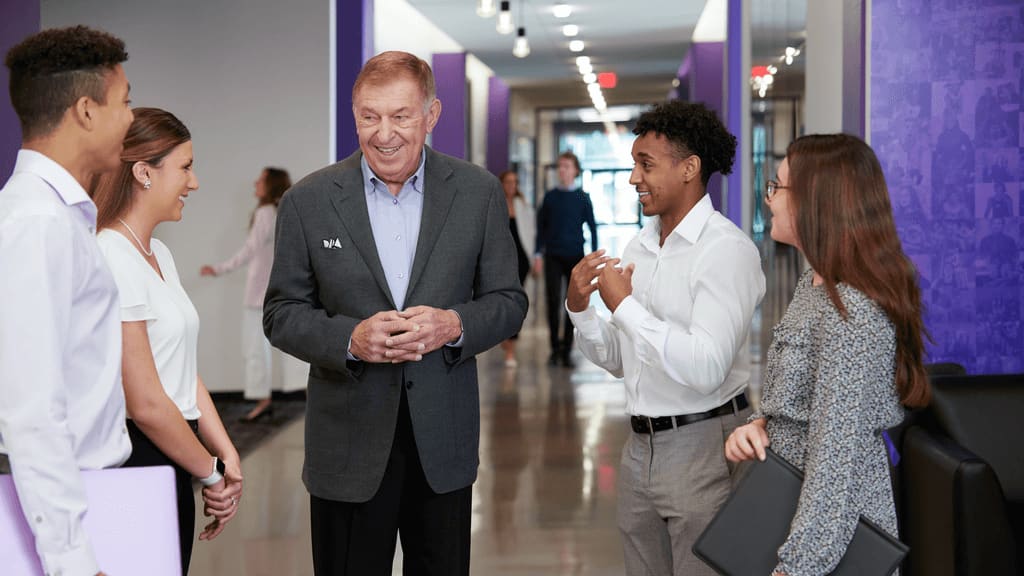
(679, 341)
(172, 322)
(62, 407)
(258, 253)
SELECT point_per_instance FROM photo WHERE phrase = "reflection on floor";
(544, 502)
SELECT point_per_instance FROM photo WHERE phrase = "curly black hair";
(692, 128)
(52, 69)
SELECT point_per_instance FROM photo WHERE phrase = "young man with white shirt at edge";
(681, 302)
(62, 407)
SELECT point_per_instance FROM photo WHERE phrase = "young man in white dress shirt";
(62, 407)
(682, 297)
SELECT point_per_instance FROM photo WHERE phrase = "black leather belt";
(647, 425)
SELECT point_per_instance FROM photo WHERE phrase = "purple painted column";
(353, 31)
(706, 86)
(450, 76)
(17, 20)
(736, 78)
(497, 125)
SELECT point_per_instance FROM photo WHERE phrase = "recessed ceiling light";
(562, 10)
(576, 46)
(570, 30)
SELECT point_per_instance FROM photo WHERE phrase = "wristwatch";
(216, 476)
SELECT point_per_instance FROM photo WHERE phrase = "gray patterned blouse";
(829, 391)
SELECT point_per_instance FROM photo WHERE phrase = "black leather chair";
(961, 479)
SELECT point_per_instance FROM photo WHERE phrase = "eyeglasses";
(771, 187)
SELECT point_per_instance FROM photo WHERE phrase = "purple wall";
(737, 79)
(354, 46)
(450, 76)
(17, 20)
(947, 124)
(705, 85)
(497, 125)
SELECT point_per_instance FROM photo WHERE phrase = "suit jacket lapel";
(438, 195)
(349, 201)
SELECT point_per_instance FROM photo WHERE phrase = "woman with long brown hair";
(171, 419)
(258, 253)
(846, 356)
(522, 223)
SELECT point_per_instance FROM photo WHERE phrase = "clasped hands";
(601, 273)
(222, 499)
(396, 336)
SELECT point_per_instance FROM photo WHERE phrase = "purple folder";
(132, 521)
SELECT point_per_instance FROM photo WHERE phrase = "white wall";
(250, 80)
(823, 111)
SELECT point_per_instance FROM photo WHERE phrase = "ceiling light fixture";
(504, 25)
(586, 69)
(590, 77)
(570, 30)
(486, 8)
(582, 60)
(562, 10)
(576, 46)
(522, 47)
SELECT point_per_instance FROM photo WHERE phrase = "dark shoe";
(265, 414)
(567, 361)
(553, 359)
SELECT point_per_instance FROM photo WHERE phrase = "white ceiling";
(642, 41)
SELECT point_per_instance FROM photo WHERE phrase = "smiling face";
(661, 178)
(392, 122)
(783, 219)
(171, 183)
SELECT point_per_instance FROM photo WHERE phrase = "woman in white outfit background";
(258, 253)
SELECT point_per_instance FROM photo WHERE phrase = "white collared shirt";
(62, 407)
(679, 341)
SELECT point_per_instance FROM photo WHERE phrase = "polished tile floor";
(544, 502)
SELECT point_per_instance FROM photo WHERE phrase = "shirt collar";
(370, 180)
(689, 228)
(62, 182)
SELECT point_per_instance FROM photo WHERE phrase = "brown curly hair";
(52, 69)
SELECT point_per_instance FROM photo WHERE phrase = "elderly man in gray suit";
(393, 268)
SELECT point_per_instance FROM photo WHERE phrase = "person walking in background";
(845, 355)
(681, 313)
(258, 253)
(522, 223)
(168, 404)
(392, 271)
(560, 220)
(61, 403)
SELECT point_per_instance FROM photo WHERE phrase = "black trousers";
(358, 539)
(145, 453)
(557, 270)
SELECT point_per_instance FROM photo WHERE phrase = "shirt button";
(401, 275)
(398, 236)
(395, 201)
(39, 519)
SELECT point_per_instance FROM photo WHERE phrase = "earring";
(147, 184)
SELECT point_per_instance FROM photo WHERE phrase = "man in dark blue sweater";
(560, 223)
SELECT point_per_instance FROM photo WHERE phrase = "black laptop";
(745, 536)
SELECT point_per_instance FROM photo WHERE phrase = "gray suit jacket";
(465, 260)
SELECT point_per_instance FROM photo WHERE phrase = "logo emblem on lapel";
(332, 243)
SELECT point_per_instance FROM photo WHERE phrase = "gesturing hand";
(370, 338)
(581, 281)
(614, 284)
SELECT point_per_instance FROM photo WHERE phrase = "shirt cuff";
(587, 321)
(629, 315)
(462, 333)
(77, 560)
(348, 352)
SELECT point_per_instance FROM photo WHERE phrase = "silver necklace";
(137, 241)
